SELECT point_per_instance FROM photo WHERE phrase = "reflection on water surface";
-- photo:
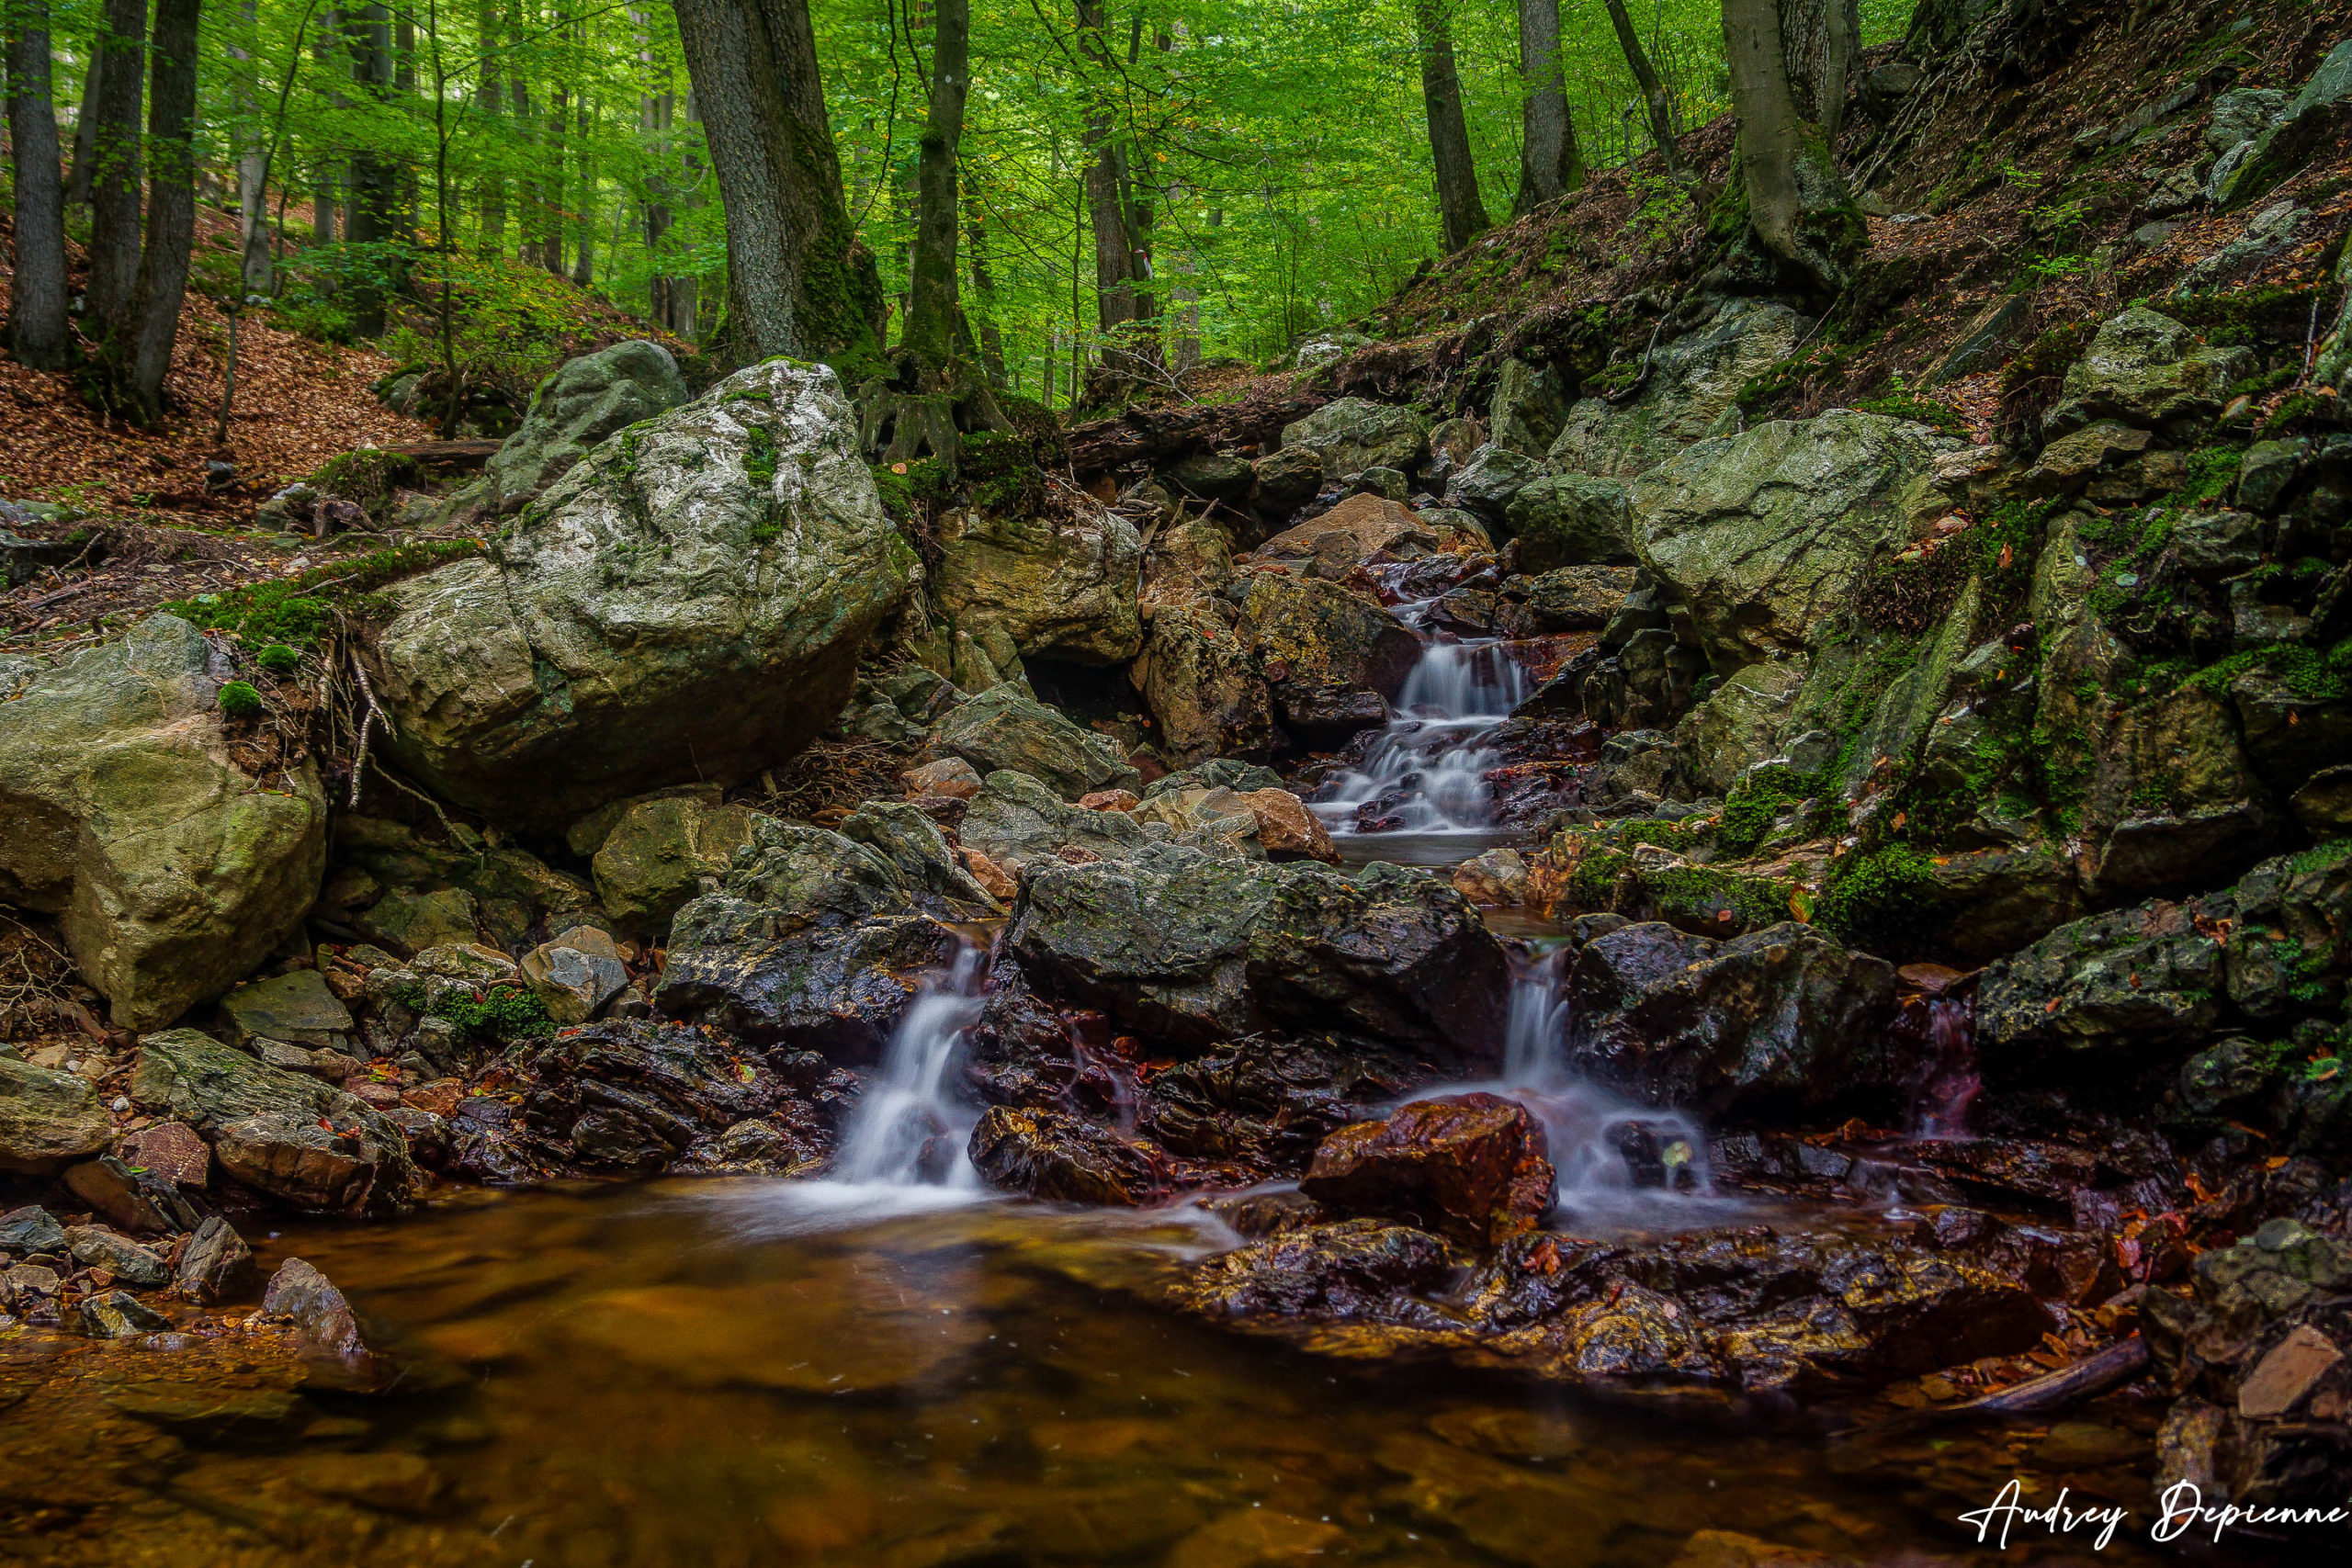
(739, 1372)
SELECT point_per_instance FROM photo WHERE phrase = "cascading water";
(1943, 1103)
(905, 1144)
(1425, 773)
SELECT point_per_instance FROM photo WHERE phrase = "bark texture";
(115, 164)
(136, 356)
(35, 332)
(1551, 163)
(1462, 215)
(797, 282)
(1653, 95)
(934, 317)
(1797, 206)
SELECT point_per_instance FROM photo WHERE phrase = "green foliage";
(366, 475)
(278, 660)
(1875, 900)
(240, 700)
(294, 611)
(1924, 410)
(1758, 800)
(500, 1013)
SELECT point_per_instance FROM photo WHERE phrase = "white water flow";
(1619, 1165)
(905, 1145)
(1425, 774)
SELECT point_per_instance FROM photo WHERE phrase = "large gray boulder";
(2149, 370)
(1194, 948)
(47, 1119)
(1016, 821)
(817, 941)
(1528, 407)
(171, 871)
(1060, 589)
(1761, 536)
(1570, 519)
(1783, 1017)
(286, 1134)
(1353, 435)
(571, 411)
(1693, 383)
(1334, 657)
(1003, 728)
(688, 601)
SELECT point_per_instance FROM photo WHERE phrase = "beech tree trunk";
(798, 281)
(1115, 293)
(934, 317)
(326, 173)
(136, 355)
(1654, 94)
(551, 212)
(115, 166)
(35, 332)
(1819, 39)
(984, 286)
(252, 175)
(1798, 207)
(584, 265)
(85, 127)
(1551, 165)
(489, 101)
(1461, 212)
(374, 183)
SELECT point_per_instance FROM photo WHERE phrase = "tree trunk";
(527, 222)
(37, 333)
(252, 175)
(1654, 94)
(1462, 215)
(326, 173)
(136, 356)
(375, 185)
(551, 215)
(85, 129)
(1819, 39)
(984, 286)
(798, 281)
(934, 317)
(1551, 165)
(489, 101)
(115, 167)
(1115, 293)
(1798, 207)
(583, 267)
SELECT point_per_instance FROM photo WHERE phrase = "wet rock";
(1056, 588)
(575, 974)
(1529, 406)
(1352, 435)
(171, 873)
(1576, 598)
(47, 1119)
(118, 1315)
(1286, 828)
(661, 851)
(1001, 729)
(1232, 772)
(410, 922)
(171, 1150)
(1361, 530)
(322, 1319)
(295, 1007)
(1354, 1270)
(2146, 369)
(1052, 1154)
(137, 1201)
(2290, 137)
(1288, 479)
(1783, 1016)
(1016, 821)
(1693, 383)
(586, 400)
(360, 1159)
(1201, 681)
(646, 620)
(1194, 950)
(30, 1231)
(1761, 538)
(1210, 475)
(1188, 562)
(1491, 477)
(1494, 878)
(950, 776)
(815, 940)
(2324, 805)
(912, 843)
(1568, 520)
(128, 1262)
(1470, 1167)
(1332, 657)
(216, 1266)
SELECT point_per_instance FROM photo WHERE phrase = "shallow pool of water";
(730, 1372)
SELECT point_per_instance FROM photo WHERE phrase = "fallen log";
(1149, 434)
(447, 454)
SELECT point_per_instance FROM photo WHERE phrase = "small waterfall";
(1944, 1101)
(909, 1129)
(1425, 773)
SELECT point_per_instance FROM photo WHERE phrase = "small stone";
(215, 1265)
(999, 882)
(950, 776)
(118, 1315)
(1111, 800)
(300, 1294)
(119, 1255)
(575, 974)
(30, 1231)
(1286, 828)
(2282, 1379)
(113, 1190)
(295, 1006)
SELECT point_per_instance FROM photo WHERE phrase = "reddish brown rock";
(1472, 1167)
(1361, 528)
(950, 776)
(1286, 828)
(1047, 1154)
(1111, 800)
(441, 1097)
(173, 1151)
(998, 882)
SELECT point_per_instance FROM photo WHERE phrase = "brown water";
(676, 1375)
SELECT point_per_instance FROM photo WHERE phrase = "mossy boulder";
(689, 601)
(47, 1119)
(1762, 537)
(1057, 588)
(1690, 386)
(1565, 520)
(171, 871)
(658, 851)
(1332, 657)
(1201, 681)
(571, 411)
(2149, 370)
(1354, 434)
(1003, 728)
